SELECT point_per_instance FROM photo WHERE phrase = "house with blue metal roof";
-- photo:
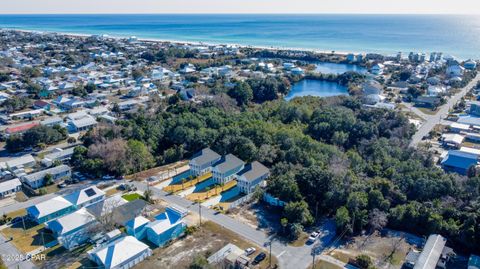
(73, 230)
(137, 227)
(167, 226)
(50, 209)
(459, 161)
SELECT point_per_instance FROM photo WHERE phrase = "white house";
(251, 176)
(123, 253)
(18, 162)
(10, 187)
(453, 140)
(436, 90)
(86, 197)
(57, 155)
(226, 169)
(83, 124)
(456, 127)
(202, 162)
(188, 69)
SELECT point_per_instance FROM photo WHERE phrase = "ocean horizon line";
(245, 13)
(451, 34)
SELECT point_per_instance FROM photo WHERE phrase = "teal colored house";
(73, 230)
(50, 209)
(167, 226)
(137, 227)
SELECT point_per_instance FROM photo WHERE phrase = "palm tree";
(207, 189)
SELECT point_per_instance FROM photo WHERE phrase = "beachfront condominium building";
(227, 168)
(202, 162)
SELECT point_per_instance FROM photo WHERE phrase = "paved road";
(288, 256)
(12, 257)
(432, 120)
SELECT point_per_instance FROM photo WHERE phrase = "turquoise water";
(320, 88)
(458, 35)
(337, 68)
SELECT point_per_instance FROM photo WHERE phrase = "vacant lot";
(205, 241)
(387, 252)
(155, 171)
(258, 216)
(29, 239)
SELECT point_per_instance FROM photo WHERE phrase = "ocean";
(457, 35)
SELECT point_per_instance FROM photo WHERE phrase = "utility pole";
(269, 244)
(270, 256)
(23, 222)
(317, 248)
(199, 211)
(43, 239)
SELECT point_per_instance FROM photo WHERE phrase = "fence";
(240, 201)
(273, 200)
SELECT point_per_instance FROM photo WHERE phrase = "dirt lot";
(205, 241)
(387, 252)
(155, 171)
(258, 215)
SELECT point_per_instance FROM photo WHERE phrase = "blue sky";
(241, 6)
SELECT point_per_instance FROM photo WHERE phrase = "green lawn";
(132, 196)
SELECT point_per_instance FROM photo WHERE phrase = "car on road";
(249, 251)
(62, 185)
(259, 258)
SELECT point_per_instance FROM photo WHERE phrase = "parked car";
(313, 236)
(259, 258)
(62, 185)
(249, 251)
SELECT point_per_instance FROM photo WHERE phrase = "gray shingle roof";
(253, 171)
(227, 163)
(41, 174)
(205, 156)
